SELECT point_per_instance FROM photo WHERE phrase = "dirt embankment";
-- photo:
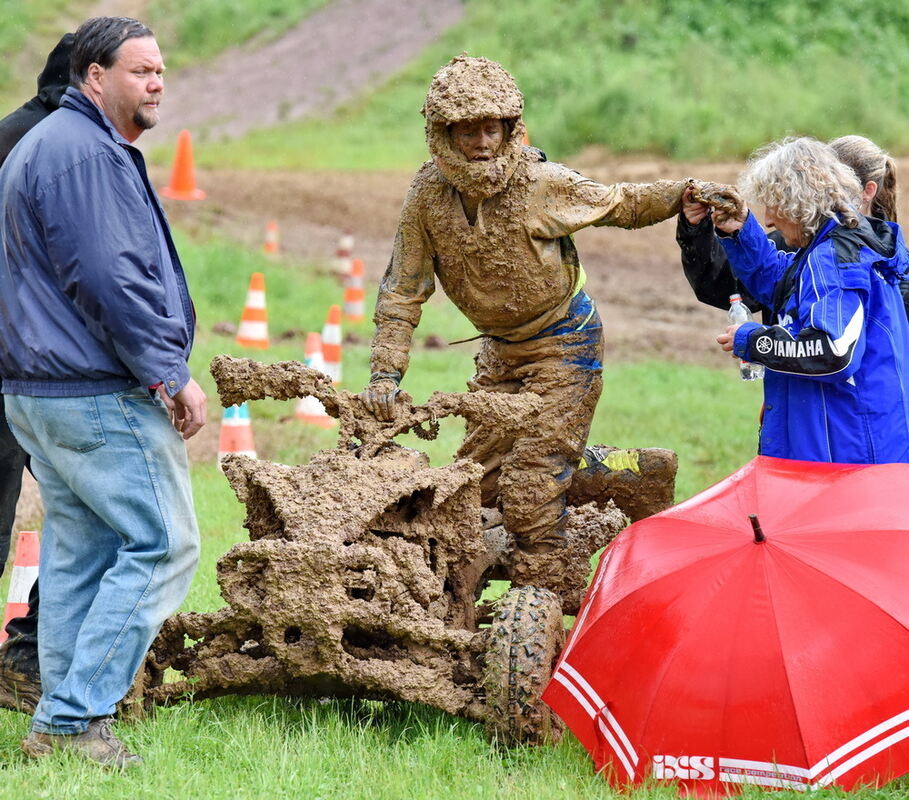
(338, 52)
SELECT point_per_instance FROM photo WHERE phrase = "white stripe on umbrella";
(601, 705)
(853, 744)
(861, 757)
(763, 773)
(760, 780)
(591, 712)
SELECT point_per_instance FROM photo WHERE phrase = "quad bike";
(366, 568)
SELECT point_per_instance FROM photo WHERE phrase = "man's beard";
(145, 118)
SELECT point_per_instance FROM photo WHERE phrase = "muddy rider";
(491, 220)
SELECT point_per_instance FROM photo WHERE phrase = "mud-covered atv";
(365, 568)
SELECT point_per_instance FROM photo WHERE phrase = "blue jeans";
(119, 545)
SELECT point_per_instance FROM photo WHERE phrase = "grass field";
(238, 748)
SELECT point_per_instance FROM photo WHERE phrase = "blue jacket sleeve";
(830, 338)
(755, 260)
(104, 247)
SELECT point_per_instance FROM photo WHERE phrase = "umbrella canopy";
(716, 649)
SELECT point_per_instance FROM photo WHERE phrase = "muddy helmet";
(469, 88)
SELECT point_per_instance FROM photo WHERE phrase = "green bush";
(198, 30)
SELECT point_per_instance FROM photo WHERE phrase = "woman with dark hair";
(837, 357)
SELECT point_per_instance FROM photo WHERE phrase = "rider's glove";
(379, 395)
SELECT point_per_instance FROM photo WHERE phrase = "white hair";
(803, 181)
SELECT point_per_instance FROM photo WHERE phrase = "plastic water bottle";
(739, 313)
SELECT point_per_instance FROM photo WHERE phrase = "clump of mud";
(364, 571)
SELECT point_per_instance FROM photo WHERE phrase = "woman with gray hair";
(837, 359)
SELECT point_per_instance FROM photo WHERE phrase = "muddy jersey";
(515, 270)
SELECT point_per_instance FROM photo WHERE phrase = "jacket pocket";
(73, 423)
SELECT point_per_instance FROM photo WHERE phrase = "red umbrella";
(756, 633)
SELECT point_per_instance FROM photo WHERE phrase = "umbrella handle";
(756, 526)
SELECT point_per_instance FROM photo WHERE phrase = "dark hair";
(97, 42)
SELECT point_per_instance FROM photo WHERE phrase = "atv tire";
(525, 640)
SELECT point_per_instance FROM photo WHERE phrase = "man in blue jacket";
(96, 326)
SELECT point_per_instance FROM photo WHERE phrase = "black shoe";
(20, 688)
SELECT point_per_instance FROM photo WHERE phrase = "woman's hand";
(727, 340)
(730, 222)
(693, 210)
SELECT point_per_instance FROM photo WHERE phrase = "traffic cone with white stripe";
(344, 253)
(354, 294)
(331, 344)
(253, 331)
(272, 244)
(236, 433)
(25, 573)
(309, 408)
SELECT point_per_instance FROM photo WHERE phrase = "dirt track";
(635, 276)
(334, 54)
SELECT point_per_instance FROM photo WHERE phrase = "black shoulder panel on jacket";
(873, 233)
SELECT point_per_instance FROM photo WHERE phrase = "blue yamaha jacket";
(837, 381)
(93, 298)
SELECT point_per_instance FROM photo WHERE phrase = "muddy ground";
(336, 53)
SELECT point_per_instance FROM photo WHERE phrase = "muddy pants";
(529, 476)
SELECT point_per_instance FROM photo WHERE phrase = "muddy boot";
(640, 482)
(20, 682)
(97, 744)
(560, 561)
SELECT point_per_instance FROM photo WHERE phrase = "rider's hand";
(379, 398)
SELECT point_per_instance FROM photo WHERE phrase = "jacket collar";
(76, 100)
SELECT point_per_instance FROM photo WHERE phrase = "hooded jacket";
(52, 83)
(837, 380)
(93, 298)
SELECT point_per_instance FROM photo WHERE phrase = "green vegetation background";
(689, 79)
(683, 78)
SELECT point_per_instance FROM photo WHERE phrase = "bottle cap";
(735, 298)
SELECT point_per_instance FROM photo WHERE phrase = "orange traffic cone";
(25, 573)
(354, 295)
(183, 177)
(309, 408)
(331, 344)
(253, 331)
(236, 432)
(272, 239)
